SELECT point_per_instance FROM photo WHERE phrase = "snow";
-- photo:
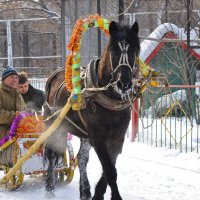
(144, 173)
(147, 46)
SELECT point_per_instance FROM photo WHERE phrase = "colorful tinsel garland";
(75, 45)
(15, 122)
(72, 65)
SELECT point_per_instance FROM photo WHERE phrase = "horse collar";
(91, 81)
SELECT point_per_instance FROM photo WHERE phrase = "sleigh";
(27, 132)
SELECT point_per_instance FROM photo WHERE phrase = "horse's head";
(120, 56)
(124, 48)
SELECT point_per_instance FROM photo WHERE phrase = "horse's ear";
(114, 27)
(135, 28)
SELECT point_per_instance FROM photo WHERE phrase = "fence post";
(9, 44)
(135, 125)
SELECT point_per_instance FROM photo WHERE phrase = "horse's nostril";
(123, 86)
(126, 86)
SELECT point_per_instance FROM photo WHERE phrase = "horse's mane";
(104, 61)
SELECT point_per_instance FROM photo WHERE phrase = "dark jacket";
(10, 102)
(34, 98)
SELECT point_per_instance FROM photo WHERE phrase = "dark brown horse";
(108, 91)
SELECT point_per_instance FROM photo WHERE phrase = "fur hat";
(7, 72)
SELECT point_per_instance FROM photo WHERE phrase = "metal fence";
(38, 83)
(30, 47)
(171, 120)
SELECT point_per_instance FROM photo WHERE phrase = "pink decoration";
(69, 136)
(13, 127)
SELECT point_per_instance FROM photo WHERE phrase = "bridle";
(123, 61)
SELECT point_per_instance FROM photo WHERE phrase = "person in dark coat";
(34, 98)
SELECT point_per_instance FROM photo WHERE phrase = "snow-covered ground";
(144, 173)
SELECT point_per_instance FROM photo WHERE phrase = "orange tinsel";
(30, 124)
(74, 45)
(68, 73)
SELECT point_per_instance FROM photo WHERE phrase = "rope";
(75, 125)
(54, 114)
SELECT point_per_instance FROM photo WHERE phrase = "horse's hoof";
(49, 195)
(118, 198)
(86, 198)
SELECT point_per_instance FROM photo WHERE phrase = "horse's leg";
(52, 157)
(83, 158)
(109, 170)
(100, 188)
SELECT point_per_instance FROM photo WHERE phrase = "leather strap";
(91, 81)
(114, 105)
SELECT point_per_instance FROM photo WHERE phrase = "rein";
(69, 120)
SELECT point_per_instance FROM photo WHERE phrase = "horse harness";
(90, 90)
